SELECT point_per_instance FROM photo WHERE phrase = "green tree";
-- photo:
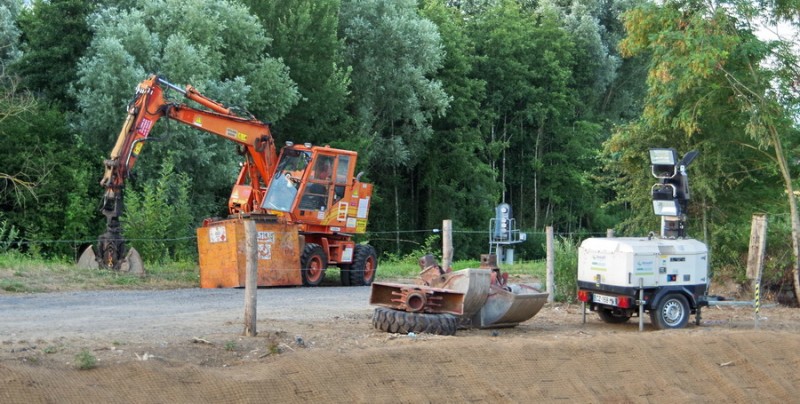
(527, 61)
(55, 37)
(157, 220)
(9, 32)
(708, 87)
(304, 36)
(393, 53)
(455, 177)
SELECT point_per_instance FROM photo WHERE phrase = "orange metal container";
(223, 256)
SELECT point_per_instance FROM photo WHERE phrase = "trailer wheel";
(365, 264)
(608, 316)
(397, 321)
(314, 262)
(671, 312)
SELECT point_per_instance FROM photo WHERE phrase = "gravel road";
(153, 315)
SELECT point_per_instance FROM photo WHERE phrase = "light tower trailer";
(624, 277)
(665, 276)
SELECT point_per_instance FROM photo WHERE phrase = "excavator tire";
(403, 322)
(313, 262)
(365, 264)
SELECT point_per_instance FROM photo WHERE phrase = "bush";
(566, 270)
(84, 360)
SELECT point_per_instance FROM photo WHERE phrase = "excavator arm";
(147, 107)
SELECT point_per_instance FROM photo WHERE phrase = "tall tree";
(708, 66)
(393, 53)
(14, 102)
(455, 177)
(304, 35)
(55, 36)
(527, 61)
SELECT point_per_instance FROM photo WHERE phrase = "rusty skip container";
(223, 254)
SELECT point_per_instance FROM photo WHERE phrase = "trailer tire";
(313, 264)
(365, 265)
(672, 311)
(608, 316)
(403, 322)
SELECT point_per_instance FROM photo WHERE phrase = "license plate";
(603, 299)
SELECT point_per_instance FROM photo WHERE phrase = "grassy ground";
(23, 274)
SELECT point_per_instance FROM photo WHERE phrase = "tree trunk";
(787, 178)
(396, 210)
(536, 157)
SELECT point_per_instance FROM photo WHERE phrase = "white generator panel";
(622, 261)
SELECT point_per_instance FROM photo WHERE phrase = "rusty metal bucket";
(473, 283)
(488, 305)
(507, 308)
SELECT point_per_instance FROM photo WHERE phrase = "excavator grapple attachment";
(132, 263)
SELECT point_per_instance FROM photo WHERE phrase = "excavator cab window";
(315, 196)
(283, 188)
(342, 169)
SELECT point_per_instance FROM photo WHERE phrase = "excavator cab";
(315, 186)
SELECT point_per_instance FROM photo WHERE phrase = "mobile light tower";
(666, 276)
(503, 234)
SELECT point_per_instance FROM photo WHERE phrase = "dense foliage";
(453, 106)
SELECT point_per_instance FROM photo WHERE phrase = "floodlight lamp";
(666, 208)
(663, 157)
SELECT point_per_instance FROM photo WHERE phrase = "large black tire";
(313, 264)
(609, 317)
(671, 312)
(403, 322)
(365, 265)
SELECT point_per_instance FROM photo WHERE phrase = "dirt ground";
(338, 356)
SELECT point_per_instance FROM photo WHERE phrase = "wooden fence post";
(251, 280)
(758, 245)
(755, 259)
(447, 244)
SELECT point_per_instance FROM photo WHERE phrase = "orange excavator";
(307, 202)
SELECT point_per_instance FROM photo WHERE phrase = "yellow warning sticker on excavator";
(138, 148)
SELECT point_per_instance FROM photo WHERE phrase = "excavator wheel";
(314, 262)
(365, 264)
(397, 321)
